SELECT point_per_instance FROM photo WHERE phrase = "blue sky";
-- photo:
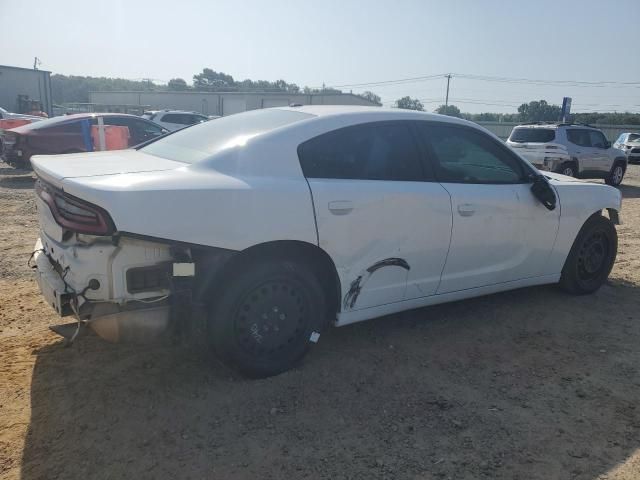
(346, 42)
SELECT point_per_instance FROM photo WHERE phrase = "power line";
(600, 83)
(392, 82)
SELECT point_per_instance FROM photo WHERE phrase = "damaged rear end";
(124, 288)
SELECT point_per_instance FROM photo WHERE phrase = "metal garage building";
(36, 84)
(220, 103)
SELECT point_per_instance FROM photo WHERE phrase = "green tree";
(211, 80)
(409, 103)
(177, 84)
(327, 90)
(539, 111)
(372, 97)
(450, 110)
(75, 89)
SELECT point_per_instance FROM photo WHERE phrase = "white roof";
(376, 113)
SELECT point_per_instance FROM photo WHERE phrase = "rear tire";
(591, 257)
(568, 169)
(261, 323)
(616, 175)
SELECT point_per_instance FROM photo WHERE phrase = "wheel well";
(620, 160)
(307, 253)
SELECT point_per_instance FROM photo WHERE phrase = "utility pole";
(446, 102)
(36, 62)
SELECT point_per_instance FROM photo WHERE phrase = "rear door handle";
(340, 207)
(466, 209)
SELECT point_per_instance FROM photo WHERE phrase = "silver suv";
(575, 150)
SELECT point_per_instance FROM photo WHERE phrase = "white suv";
(575, 150)
(174, 119)
(629, 143)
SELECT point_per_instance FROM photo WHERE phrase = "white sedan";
(275, 223)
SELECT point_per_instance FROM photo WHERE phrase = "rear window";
(51, 122)
(203, 140)
(532, 135)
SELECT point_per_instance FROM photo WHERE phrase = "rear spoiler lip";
(45, 174)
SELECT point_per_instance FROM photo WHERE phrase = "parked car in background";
(64, 135)
(575, 150)
(6, 115)
(175, 119)
(274, 223)
(629, 143)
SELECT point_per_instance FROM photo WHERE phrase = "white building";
(220, 103)
(27, 83)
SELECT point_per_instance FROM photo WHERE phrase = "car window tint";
(579, 136)
(597, 139)
(532, 135)
(134, 135)
(66, 128)
(375, 151)
(178, 118)
(463, 155)
(171, 118)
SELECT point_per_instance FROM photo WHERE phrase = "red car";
(66, 134)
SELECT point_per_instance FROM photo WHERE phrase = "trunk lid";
(55, 169)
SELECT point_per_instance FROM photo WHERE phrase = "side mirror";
(544, 192)
(607, 144)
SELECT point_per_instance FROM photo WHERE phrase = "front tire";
(261, 323)
(568, 169)
(616, 175)
(591, 257)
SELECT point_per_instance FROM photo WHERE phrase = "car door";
(582, 150)
(500, 232)
(64, 137)
(379, 215)
(599, 147)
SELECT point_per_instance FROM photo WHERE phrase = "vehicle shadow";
(17, 182)
(629, 191)
(7, 171)
(525, 384)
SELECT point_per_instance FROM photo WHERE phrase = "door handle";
(466, 209)
(340, 207)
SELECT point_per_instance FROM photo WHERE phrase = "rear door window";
(139, 130)
(579, 136)
(374, 151)
(532, 135)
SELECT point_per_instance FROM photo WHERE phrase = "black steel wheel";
(261, 323)
(591, 257)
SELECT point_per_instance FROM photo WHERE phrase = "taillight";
(74, 214)
(9, 138)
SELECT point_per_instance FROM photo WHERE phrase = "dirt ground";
(529, 384)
